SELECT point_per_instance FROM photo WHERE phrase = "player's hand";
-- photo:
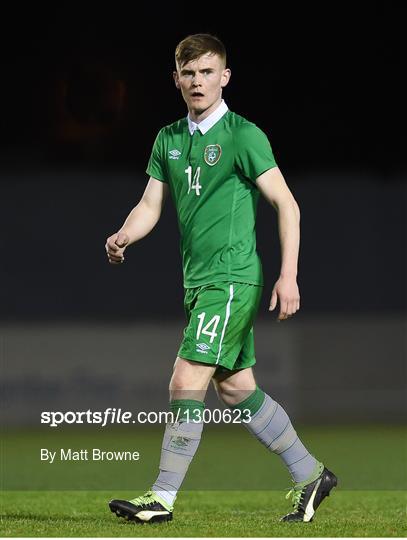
(286, 292)
(115, 246)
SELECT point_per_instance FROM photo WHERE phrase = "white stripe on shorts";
(226, 320)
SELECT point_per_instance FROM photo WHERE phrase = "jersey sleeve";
(253, 153)
(157, 164)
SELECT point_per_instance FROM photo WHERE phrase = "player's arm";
(275, 190)
(141, 220)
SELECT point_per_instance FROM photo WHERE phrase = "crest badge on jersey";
(212, 154)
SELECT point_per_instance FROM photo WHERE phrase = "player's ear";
(225, 77)
(176, 79)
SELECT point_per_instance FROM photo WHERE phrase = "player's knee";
(178, 382)
(223, 390)
(228, 399)
(230, 394)
(182, 386)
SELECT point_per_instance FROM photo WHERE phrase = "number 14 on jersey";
(193, 183)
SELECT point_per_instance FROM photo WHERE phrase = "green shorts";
(220, 324)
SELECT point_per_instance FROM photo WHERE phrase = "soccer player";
(216, 164)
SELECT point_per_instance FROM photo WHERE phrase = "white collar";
(209, 121)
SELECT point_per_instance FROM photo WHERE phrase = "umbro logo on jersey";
(202, 348)
(212, 154)
(174, 154)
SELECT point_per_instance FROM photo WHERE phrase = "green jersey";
(212, 179)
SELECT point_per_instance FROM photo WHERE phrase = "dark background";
(84, 94)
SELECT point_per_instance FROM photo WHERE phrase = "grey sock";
(272, 427)
(179, 446)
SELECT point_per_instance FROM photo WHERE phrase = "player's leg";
(234, 386)
(215, 314)
(190, 379)
(188, 386)
(271, 425)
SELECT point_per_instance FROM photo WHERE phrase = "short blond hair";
(196, 45)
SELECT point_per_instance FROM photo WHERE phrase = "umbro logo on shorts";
(202, 348)
(174, 154)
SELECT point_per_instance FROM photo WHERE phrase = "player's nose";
(197, 80)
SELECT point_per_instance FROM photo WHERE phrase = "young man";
(215, 164)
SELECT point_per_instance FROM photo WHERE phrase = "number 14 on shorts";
(210, 328)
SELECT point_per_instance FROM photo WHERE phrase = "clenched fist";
(115, 246)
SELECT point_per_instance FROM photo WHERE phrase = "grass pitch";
(234, 488)
(204, 513)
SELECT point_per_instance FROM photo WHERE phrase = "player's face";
(201, 82)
